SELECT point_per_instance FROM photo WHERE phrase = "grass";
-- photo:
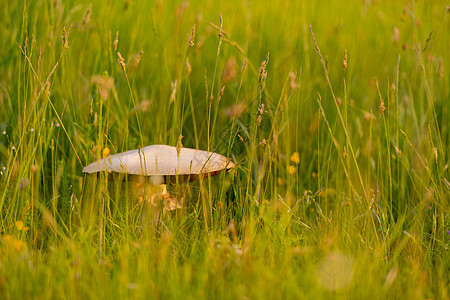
(336, 116)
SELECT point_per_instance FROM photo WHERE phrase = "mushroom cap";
(161, 160)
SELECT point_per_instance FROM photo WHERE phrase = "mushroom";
(162, 163)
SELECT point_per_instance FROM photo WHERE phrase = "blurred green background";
(341, 187)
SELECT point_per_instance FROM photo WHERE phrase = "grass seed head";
(390, 277)
(396, 35)
(259, 114)
(275, 138)
(138, 59)
(192, 37)
(367, 116)
(345, 65)
(134, 62)
(382, 108)
(244, 65)
(173, 87)
(230, 70)
(262, 72)
(65, 38)
(222, 90)
(87, 17)
(182, 8)
(235, 110)
(104, 84)
(293, 83)
(116, 41)
(398, 152)
(435, 153)
(144, 105)
(47, 89)
(179, 145)
(121, 61)
(91, 109)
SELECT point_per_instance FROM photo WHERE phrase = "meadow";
(335, 113)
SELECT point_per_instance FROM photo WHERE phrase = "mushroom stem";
(149, 196)
(155, 198)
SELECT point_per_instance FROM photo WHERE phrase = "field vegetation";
(336, 114)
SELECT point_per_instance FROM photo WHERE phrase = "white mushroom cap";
(162, 160)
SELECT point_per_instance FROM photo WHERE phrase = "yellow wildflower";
(19, 225)
(291, 169)
(105, 152)
(295, 158)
